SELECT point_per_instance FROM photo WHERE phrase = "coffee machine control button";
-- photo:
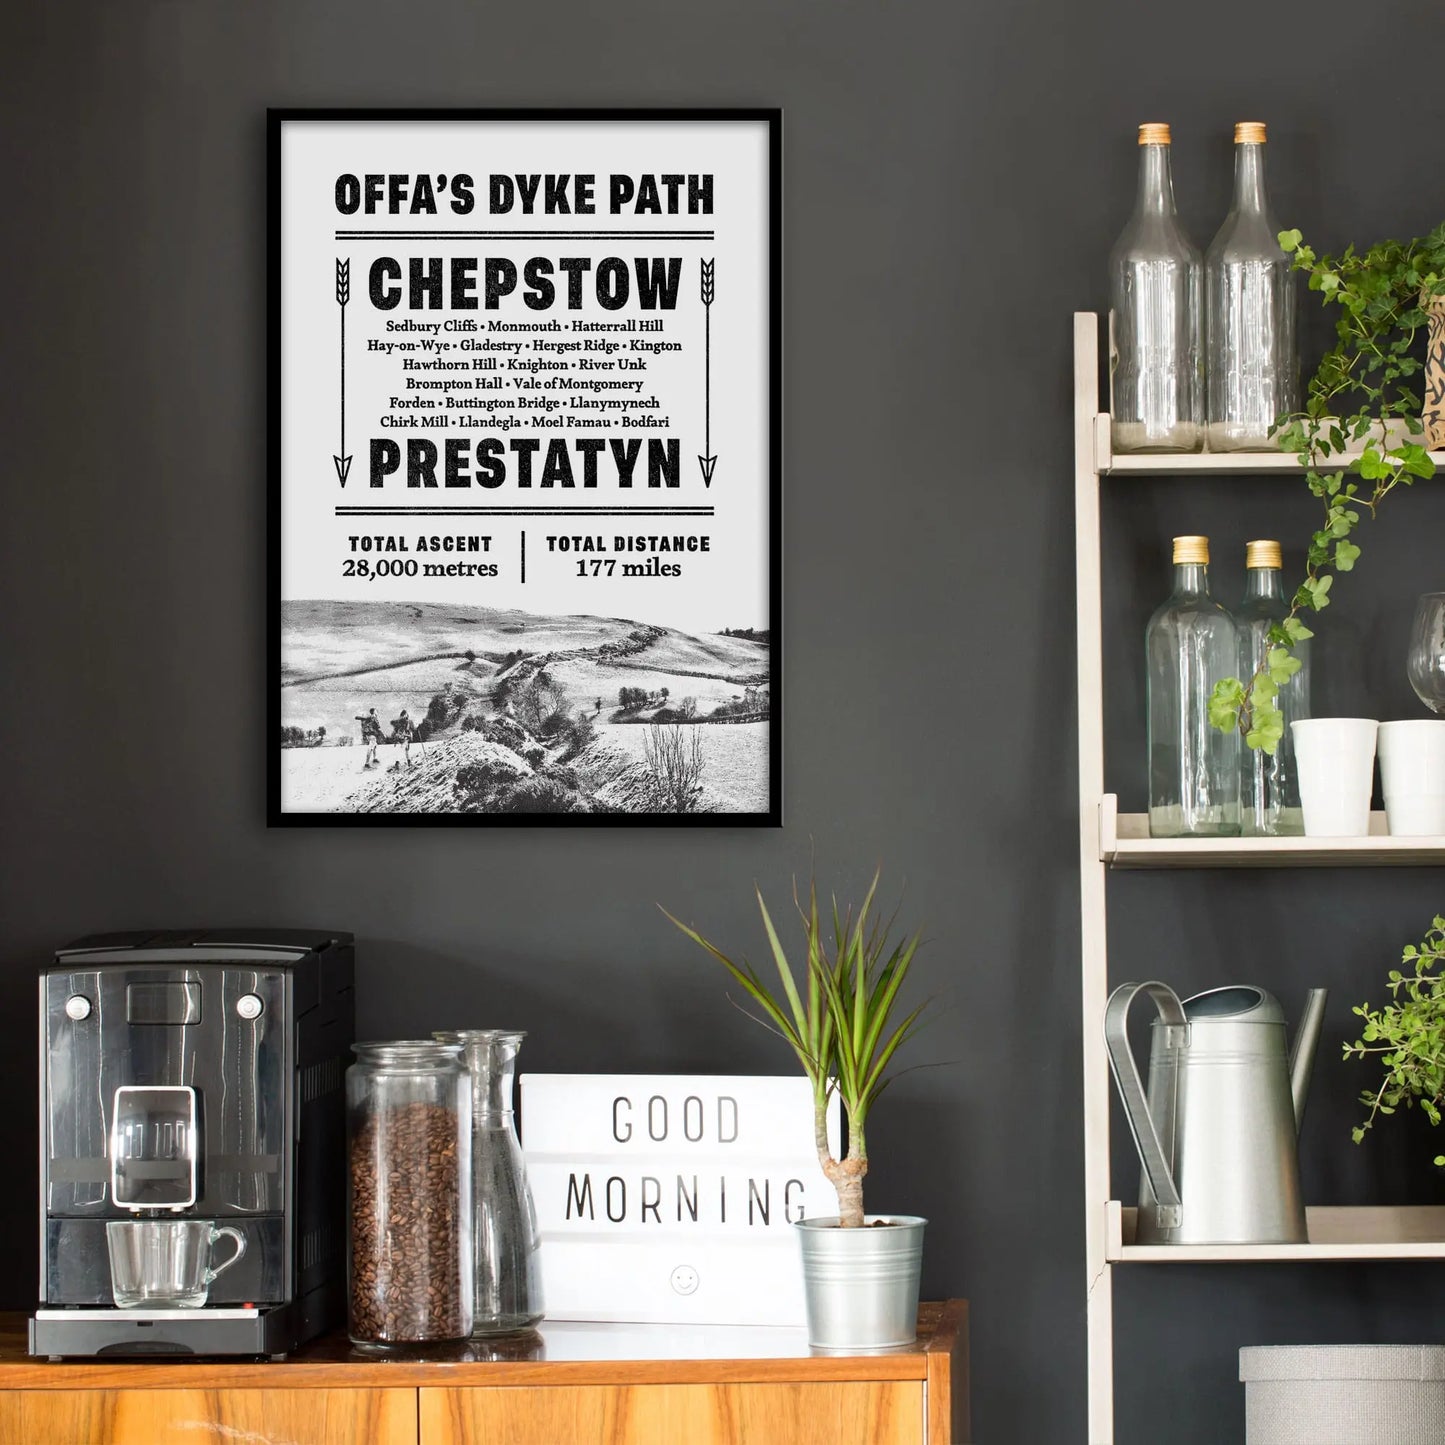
(249, 1006)
(77, 1007)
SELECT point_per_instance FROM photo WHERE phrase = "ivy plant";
(1408, 1035)
(1352, 454)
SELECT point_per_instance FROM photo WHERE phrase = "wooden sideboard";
(592, 1384)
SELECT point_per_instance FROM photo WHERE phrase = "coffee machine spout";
(1302, 1052)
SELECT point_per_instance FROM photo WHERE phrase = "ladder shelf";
(1111, 840)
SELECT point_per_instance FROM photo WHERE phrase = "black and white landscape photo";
(502, 712)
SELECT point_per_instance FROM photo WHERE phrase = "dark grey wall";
(955, 175)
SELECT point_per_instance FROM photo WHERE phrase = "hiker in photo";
(402, 732)
(371, 738)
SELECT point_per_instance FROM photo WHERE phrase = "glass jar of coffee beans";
(408, 1139)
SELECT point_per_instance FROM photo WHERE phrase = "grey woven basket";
(1343, 1394)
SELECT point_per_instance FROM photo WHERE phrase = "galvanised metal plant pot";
(862, 1284)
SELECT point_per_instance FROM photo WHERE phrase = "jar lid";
(1191, 551)
(1262, 554)
(408, 1053)
(1249, 133)
(477, 1036)
(1154, 133)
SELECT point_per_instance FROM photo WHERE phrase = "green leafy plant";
(1381, 294)
(1408, 1035)
(841, 1016)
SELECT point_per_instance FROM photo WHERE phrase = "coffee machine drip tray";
(139, 1333)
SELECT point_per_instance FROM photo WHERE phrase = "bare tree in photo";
(674, 756)
(536, 700)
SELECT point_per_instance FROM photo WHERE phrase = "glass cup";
(166, 1263)
(1427, 651)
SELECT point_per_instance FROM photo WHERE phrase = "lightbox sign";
(671, 1198)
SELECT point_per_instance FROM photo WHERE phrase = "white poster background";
(726, 586)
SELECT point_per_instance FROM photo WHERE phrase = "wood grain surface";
(200, 1417)
(946, 1352)
(837, 1412)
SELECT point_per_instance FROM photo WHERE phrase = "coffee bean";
(406, 1226)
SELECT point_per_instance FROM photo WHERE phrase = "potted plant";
(1408, 1035)
(841, 1015)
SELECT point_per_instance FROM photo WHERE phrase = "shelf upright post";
(1088, 584)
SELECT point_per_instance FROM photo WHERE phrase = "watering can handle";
(1152, 1153)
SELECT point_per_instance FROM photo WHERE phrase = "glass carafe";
(1156, 371)
(506, 1253)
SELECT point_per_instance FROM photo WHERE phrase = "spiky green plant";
(841, 1019)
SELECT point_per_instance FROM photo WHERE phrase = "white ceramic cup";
(1335, 757)
(1412, 776)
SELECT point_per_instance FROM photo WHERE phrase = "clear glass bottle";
(1271, 803)
(506, 1247)
(409, 1195)
(1250, 301)
(1156, 282)
(1194, 768)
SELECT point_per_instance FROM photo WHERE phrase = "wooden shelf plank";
(1200, 464)
(1216, 464)
(1213, 464)
(1399, 1232)
(1124, 842)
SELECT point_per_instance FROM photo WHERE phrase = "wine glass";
(1427, 652)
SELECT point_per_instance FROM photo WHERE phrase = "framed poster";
(525, 467)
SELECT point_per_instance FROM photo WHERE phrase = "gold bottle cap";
(1154, 133)
(1249, 133)
(1262, 554)
(1191, 551)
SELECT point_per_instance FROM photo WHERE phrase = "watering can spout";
(1302, 1051)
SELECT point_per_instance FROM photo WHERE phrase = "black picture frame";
(278, 120)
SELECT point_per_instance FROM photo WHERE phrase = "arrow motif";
(343, 295)
(709, 460)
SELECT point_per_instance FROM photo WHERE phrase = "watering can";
(1217, 1134)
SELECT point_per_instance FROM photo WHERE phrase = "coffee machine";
(193, 1076)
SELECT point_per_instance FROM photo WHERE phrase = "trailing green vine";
(1381, 294)
(1408, 1034)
